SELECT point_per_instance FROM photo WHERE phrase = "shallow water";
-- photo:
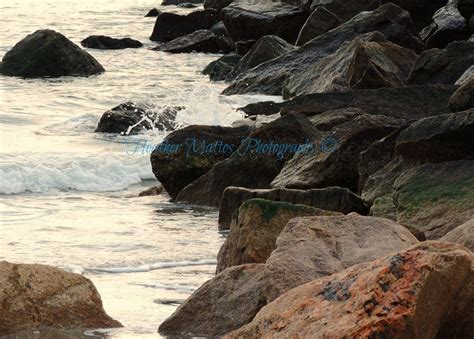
(68, 195)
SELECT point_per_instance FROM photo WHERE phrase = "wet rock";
(316, 246)
(403, 295)
(180, 2)
(220, 68)
(39, 296)
(266, 48)
(226, 302)
(437, 66)
(226, 43)
(169, 26)
(368, 61)
(46, 53)
(319, 22)
(463, 234)
(154, 12)
(243, 47)
(155, 190)
(256, 162)
(186, 5)
(268, 78)
(105, 42)
(251, 21)
(335, 199)
(200, 41)
(217, 4)
(328, 120)
(335, 162)
(261, 108)
(463, 98)
(189, 153)
(255, 228)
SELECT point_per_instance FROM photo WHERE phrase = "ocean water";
(68, 196)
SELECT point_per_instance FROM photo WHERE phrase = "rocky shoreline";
(349, 206)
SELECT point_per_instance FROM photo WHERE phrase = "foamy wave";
(38, 173)
(151, 267)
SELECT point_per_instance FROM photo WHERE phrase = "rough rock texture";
(39, 296)
(406, 295)
(436, 139)
(255, 228)
(201, 147)
(46, 53)
(335, 199)
(463, 235)
(268, 78)
(200, 41)
(319, 22)
(256, 162)
(266, 48)
(463, 98)
(169, 26)
(251, 21)
(312, 247)
(105, 42)
(368, 61)
(445, 66)
(328, 120)
(335, 163)
(220, 68)
(226, 302)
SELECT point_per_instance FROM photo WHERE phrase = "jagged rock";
(226, 302)
(154, 12)
(437, 66)
(42, 297)
(335, 199)
(368, 61)
(220, 68)
(200, 41)
(328, 120)
(319, 22)
(313, 247)
(266, 48)
(243, 47)
(196, 150)
(403, 295)
(268, 78)
(463, 98)
(105, 42)
(46, 53)
(255, 228)
(463, 235)
(256, 162)
(169, 26)
(335, 162)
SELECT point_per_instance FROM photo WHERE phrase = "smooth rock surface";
(463, 98)
(105, 42)
(463, 234)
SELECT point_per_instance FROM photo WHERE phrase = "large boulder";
(266, 48)
(197, 150)
(404, 295)
(39, 296)
(256, 162)
(247, 21)
(312, 247)
(368, 61)
(463, 98)
(105, 42)
(226, 302)
(436, 66)
(255, 228)
(200, 41)
(335, 199)
(319, 22)
(463, 234)
(268, 78)
(46, 53)
(169, 26)
(336, 163)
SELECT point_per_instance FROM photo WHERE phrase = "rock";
(105, 42)
(268, 78)
(335, 199)
(255, 228)
(243, 47)
(319, 22)
(186, 5)
(220, 68)
(180, 2)
(155, 190)
(403, 295)
(251, 21)
(189, 153)
(200, 41)
(226, 43)
(218, 5)
(368, 61)
(335, 162)
(463, 235)
(313, 247)
(437, 139)
(154, 12)
(463, 98)
(437, 66)
(468, 75)
(261, 108)
(46, 53)
(266, 48)
(169, 26)
(39, 296)
(256, 162)
(328, 120)
(130, 118)
(448, 26)
(226, 302)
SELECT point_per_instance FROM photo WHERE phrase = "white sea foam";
(151, 267)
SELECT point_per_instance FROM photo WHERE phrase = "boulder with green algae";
(255, 228)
